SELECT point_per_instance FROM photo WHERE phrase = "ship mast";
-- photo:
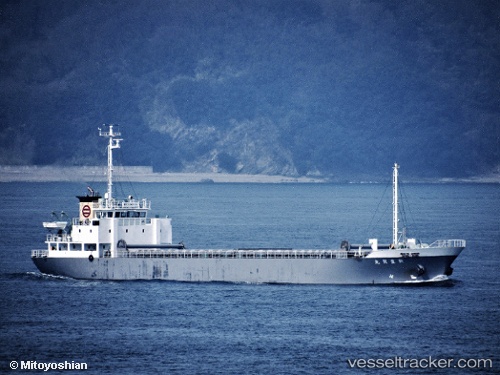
(395, 205)
(113, 143)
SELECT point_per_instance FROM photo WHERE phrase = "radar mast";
(395, 205)
(113, 143)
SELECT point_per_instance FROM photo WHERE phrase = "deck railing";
(64, 237)
(228, 254)
(39, 253)
(448, 243)
(143, 204)
(241, 254)
(252, 254)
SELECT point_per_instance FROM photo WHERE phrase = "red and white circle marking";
(86, 210)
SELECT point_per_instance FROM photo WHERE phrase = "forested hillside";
(333, 88)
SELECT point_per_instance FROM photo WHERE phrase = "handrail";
(39, 253)
(240, 254)
(127, 204)
(448, 243)
(64, 237)
(125, 221)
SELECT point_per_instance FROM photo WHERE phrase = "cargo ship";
(118, 239)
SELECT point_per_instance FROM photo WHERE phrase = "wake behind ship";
(115, 239)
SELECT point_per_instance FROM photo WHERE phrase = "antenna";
(113, 143)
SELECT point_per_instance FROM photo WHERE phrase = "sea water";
(144, 327)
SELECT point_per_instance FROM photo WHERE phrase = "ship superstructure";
(104, 222)
(117, 240)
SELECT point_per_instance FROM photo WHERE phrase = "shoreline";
(47, 173)
(134, 174)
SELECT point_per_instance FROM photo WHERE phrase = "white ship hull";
(387, 267)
